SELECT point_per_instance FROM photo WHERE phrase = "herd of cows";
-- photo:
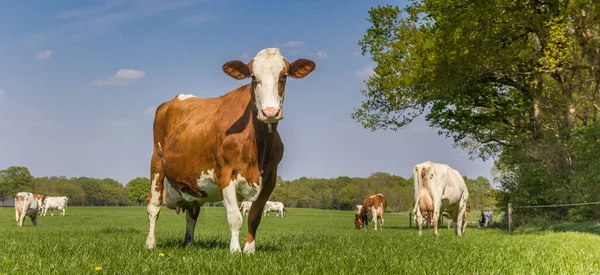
(33, 205)
(228, 148)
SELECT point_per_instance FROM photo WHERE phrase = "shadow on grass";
(215, 244)
(582, 227)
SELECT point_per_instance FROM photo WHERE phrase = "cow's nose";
(270, 112)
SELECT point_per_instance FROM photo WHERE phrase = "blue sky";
(79, 82)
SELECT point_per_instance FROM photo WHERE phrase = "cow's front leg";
(234, 216)
(254, 216)
(191, 216)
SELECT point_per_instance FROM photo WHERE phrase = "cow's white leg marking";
(249, 248)
(153, 209)
(437, 204)
(234, 217)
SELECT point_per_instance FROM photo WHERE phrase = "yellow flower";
(98, 268)
(161, 254)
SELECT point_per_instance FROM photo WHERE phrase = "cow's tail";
(417, 184)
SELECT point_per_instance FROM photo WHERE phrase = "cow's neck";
(264, 134)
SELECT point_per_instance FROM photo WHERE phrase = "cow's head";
(269, 71)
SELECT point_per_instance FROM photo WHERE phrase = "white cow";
(438, 187)
(275, 206)
(27, 204)
(52, 203)
(245, 207)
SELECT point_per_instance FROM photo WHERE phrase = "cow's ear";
(237, 69)
(301, 68)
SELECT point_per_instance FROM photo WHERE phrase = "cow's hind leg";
(437, 204)
(461, 214)
(154, 204)
(418, 219)
(191, 215)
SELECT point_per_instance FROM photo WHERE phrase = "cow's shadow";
(214, 244)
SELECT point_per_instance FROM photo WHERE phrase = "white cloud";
(129, 74)
(318, 54)
(44, 55)
(150, 111)
(121, 78)
(366, 72)
(245, 57)
(293, 43)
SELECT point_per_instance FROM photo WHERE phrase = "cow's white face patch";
(184, 96)
(266, 68)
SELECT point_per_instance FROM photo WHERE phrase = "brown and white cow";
(357, 212)
(438, 187)
(225, 148)
(373, 208)
(28, 204)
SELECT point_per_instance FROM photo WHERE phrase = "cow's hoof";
(249, 248)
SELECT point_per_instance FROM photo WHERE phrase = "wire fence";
(511, 208)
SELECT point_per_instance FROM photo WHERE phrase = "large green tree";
(137, 189)
(502, 78)
(15, 179)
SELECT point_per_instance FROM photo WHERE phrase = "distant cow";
(27, 204)
(245, 207)
(438, 187)
(55, 203)
(373, 208)
(275, 206)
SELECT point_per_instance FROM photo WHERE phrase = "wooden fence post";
(510, 218)
(409, 219)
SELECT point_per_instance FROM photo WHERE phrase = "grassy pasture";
(307, 241)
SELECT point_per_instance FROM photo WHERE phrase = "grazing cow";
(439, 188)
(373, 208)
(245, 207)
(28, 204)
(219, 149)
(52, 203)
(274, 206)
(357, 209)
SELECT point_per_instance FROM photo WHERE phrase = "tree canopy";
(513, 80)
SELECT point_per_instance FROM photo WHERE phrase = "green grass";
(307, 241)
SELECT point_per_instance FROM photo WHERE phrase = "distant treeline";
(340, 193)
(344, 192)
